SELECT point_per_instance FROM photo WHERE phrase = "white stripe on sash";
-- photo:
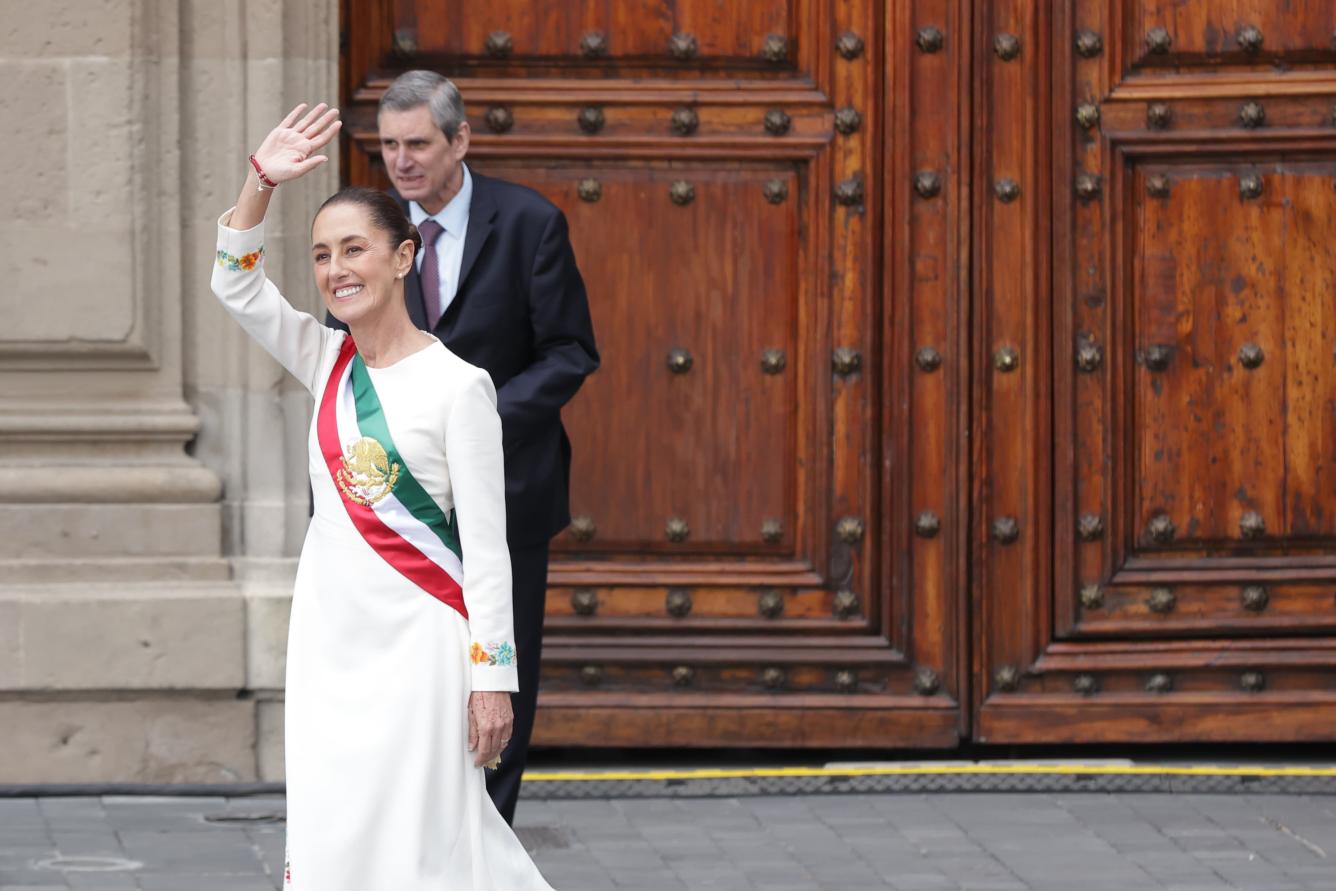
(389, 509)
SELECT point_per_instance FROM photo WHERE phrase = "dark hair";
(385, 213)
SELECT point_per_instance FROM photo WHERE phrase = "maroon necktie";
(430, 274)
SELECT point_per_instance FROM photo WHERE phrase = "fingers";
(489, 744)
(311, 116)
(328, 130)
(487, 748)
(492, 740)
(311, 163)
(292, 115)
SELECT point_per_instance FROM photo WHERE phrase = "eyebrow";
(344, 240)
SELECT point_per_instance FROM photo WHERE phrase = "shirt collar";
(454, 217)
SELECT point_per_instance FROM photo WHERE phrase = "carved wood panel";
(703, 357)
(685, 34)
(1226, 33)
(1231, 313)
(1173, 318)
(739, 565)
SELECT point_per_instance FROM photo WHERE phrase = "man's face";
(422, 165)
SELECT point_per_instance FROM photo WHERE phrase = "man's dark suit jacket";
(521, 313)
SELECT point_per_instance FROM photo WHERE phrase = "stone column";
(255, 416)
(149, 456)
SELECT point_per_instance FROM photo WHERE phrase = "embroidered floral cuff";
(501, 654)
(239, 250)
(244, 263)
(494, 666)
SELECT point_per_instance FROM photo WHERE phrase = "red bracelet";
(260, 173)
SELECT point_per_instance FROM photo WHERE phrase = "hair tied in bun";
(383, 211)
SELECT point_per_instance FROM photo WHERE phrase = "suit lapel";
(482, 211)
(417, 310)
(412, 282)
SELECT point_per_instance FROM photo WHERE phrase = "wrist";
(265, 183)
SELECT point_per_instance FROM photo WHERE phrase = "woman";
(399, 664)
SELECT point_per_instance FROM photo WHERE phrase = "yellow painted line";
(585, 776)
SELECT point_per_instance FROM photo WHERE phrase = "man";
(496, 281)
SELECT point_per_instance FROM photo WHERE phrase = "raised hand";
(289, 150)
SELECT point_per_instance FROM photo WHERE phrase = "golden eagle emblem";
(367, 475)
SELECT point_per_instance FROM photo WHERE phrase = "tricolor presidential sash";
(396, 516)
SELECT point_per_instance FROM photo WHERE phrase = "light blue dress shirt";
(454, 219)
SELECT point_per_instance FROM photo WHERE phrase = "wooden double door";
(969, 367)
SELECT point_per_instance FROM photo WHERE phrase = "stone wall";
(153, 489)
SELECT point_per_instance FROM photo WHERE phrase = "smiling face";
(422, 165)
(357, 270)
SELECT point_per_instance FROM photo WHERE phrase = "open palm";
(289, 150)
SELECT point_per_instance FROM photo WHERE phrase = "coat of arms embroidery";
(367, 475)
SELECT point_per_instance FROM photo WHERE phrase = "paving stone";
(1094, 842)
(101, 881)
(25, 842)
(205, 883)
(924, 882)
(192, 852)
(74, 844)
(19, 809)
(73, 806)
(25, 878)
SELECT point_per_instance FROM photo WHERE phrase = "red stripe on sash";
(397, 551)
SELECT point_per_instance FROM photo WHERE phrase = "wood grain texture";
(1205, 34)
(631, 28)
(1161, 241)
(576, 720)
(1215, 438)
(723, 425)
(924, 404)
(1011, 275)
(1172, 717)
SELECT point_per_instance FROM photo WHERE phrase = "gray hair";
(414, 88)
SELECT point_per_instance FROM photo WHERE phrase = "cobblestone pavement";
(924, 842)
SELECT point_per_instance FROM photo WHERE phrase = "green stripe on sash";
(371, 421)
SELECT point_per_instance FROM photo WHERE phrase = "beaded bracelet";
(259, 173)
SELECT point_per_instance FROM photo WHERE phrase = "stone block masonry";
(152, 460)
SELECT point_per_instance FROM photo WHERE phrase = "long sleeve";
(296, 339)
(477, 478)
(564, 348)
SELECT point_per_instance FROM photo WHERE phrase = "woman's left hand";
(490, 724)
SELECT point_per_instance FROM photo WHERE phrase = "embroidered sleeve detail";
(499, 654)
(244, 263)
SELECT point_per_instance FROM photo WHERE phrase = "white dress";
(381, 789)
